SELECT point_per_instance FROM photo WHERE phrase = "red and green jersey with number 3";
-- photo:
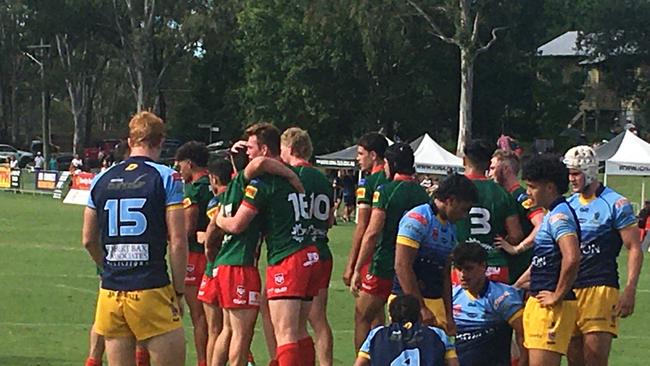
(395, 198)
(274, 199)
(487, 219)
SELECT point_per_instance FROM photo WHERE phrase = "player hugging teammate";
(455, 265)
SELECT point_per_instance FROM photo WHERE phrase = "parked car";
(63, 161)
(23, 157)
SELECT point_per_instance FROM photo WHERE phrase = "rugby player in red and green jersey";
(372, 279)
(220, 173)
(370, 156)
(192, 160)
(504, 168)
(495, 214)
(291, 274)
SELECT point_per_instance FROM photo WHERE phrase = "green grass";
(49, 290)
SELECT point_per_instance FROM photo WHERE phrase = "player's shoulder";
(498, 291)
(573, 199)
(614, 198)
(439, 333)
(421, 214)
(456, 291)
(162, 169)
(108, 173)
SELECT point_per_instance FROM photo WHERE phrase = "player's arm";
(263, 165)
(362, 361)
(191, 213)
(517, 325)
(368, 244)
(451, 361)
(630, 237)
(523, 282)
(238, 223)
(213, 238)
(406, 252)
(569, 246)
(175, 219)
(90, 236)
(363, 218)
(513, 229)
(446, 298)
(536, 219)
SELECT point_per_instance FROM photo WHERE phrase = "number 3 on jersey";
(124, 219)
(480, 219)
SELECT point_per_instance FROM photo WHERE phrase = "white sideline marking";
(78, 289)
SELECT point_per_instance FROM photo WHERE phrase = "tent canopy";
(632, 157)
(607, 150)
(431, 158)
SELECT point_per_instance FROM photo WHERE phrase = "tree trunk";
(465, 103)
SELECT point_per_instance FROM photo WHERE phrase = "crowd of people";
(486, 272)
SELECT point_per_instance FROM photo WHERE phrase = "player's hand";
(427, 316)
(355, 283)
(502, 243)
(547, 298)
(238, 146)
(179, 305)
(296, 184)
(347, 276)
(625, 306)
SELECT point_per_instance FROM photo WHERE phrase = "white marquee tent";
(631, 157)
(431, 158)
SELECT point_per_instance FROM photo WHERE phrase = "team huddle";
(459, 272)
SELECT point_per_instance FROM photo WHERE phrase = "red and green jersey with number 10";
(275, 199)
(487, 219)
(395, 198)
(314, 207)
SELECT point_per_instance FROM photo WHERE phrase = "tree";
(466, 18)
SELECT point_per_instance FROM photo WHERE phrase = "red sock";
(93, 362)
(289, 355)
(274, 363)
(202, 363)
(251, 360)
(308, 351)
(142, 357)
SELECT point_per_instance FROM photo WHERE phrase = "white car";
(23, 157)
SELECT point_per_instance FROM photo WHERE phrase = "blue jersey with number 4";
(600, 219)
(131, 200)
(407, 344)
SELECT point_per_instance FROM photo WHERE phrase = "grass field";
(49, 287)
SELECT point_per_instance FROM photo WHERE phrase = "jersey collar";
(403, 177)
(303, 163)
(473, 176)
(377, 169)
(556, 202)
(586, 200)
(514, 187)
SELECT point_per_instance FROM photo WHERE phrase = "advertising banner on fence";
(15, 178)
(46, 180)
(60, 185)
(80, 191)
(5, 177)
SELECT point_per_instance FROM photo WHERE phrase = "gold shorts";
(549, 329)
(436, 306)
(142, 314)
(596, 310)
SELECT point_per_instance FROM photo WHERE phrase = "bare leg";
(214, 320)
(198, 321)
(538, 357)
(120, 351)
(222, 346)
(322, 330)
(269, 333)
(97, 347)
(575, 355)
(167, 349)
(368, 309)
(596, 348)
(243, 325)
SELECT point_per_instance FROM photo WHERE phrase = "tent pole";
(605, 182)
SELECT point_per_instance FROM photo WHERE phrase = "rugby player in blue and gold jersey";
(485, 312)
(133, 210)
(550, 313)
(607, 222)
(425, 239)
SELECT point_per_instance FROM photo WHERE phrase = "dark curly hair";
(194, 151)
(459, 187)
(546, 168)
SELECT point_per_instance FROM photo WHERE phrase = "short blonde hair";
(299, 142)
(509, 157)
(145, 128)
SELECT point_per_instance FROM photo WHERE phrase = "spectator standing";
(39, 161)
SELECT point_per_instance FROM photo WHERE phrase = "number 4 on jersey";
(410, 357)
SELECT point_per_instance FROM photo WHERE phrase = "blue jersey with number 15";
(131, 200)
